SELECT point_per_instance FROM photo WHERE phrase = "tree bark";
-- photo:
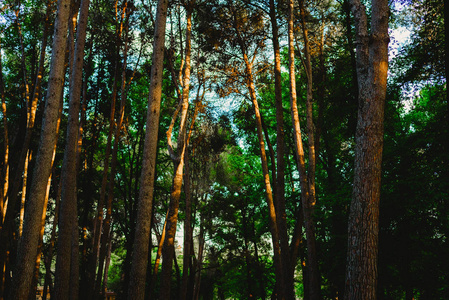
(280, 151)
(309, 205)
(136, 289)
(68, 207)
(27, 250)
(363, 227)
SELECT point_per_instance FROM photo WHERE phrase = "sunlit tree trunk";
(309, 205)
(136, 289)
(11, 187)
(268, 191)
(68, 207)
(168, 250)
(24, 191)
(4, 176)
(27, 249)
(280, 149)
(363, 227)
(188, 228)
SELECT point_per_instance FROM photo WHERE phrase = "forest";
(224, 149)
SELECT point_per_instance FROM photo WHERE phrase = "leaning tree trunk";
(168, 250)
(363, 227)
(268, 191)
(27, 249)
(136, 289)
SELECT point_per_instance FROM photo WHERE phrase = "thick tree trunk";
(68, 206)
(136, 289)
(27, 250)
(363, 227)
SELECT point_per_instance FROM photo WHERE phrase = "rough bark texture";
(363, 227)
(280, 162)
(136, 289)
(68, 206)
(27, 250)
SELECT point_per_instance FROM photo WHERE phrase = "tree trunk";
(309, 205)
(268, 191)
(4, 176)
(280, 149)
(107, 221)
(27, 250)
(168, 251)
(136, 289)
(68, 207)
(363, 227)
(24, 191)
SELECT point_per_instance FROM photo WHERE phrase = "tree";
(27, 250)
(68, 224)
(363, 227)
(136, 289)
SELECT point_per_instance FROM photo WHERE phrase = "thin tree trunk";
(268, 191)
(10, 192)
(98, 223)
(280, 149)
(5, 172)
(106, 267)
(27, 250)
(24, 191)
(136, 289)
(188, 229)
(5, 177)
(363, 227)
(300, 159)
(196, 290)
(68, 207)
(309, 206)
(168, 251)
(118, 129)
